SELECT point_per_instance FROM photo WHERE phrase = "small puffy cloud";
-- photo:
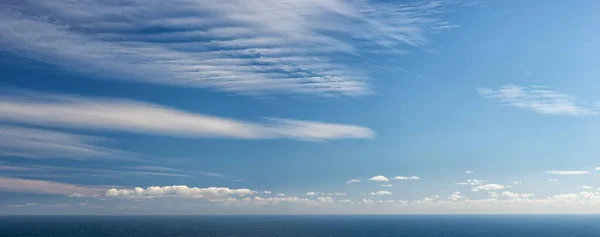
(585, 187)
(487, 187)
(368, 201)
(386, 185)
(311, 193)
(325, 200)
(380, 193)
(267, 192)
(567, 172)
(516, 195)
(597, 168)
(516, 182)
(468, 172)
(177, 190)
(76, 195)
(282, 195)
(353, 181)
(456, 196)
(471, 182)
(407, 178)
(552, 180)
(379, 178)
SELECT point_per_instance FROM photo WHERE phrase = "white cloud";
(267, 46)
(133, 116)
(282, 195)
(386, 185)
(380, 193)
(178, 190)
(516, 195)
(43, 143)
(406, 178)
(597, 168)
(149, 167)
(353, 181)
(567, 172)
(468, 172)
(76, 195)
(488, 187)
(456, 196)
(516, 182)
(585, 187)
(471, 182)
(311, 193)
(552, 180)
(538, 99)
(267, 192)
(46, 187)
(379, 178)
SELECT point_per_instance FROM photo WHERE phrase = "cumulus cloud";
(244, 47)
(46, 187)
(471, 182)
(386, 185)
(380, 193)
(178, 191)
(311, 193)
(468, 172)
(585, 187)
(487, 187)
(567, 172)
(138, 117)
(516, 195)
(407, 178)
(267, 192)
(379, 178)
(538, 99)
(353, 181)
(456, 196)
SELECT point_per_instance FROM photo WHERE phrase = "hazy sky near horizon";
(299, 107)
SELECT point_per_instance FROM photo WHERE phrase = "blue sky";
(311, 107)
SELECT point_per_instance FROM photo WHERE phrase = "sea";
(303, 226)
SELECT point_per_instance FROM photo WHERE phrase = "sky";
(299, 107)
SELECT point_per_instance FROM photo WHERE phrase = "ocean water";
(304, 226)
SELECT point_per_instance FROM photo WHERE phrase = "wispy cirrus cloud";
(539, 99)
(138, 117)
(42, 143)
(67, 171)
(46, 187)
(270, 46)
(567, 172)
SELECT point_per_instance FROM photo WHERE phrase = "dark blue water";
(305, 226)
